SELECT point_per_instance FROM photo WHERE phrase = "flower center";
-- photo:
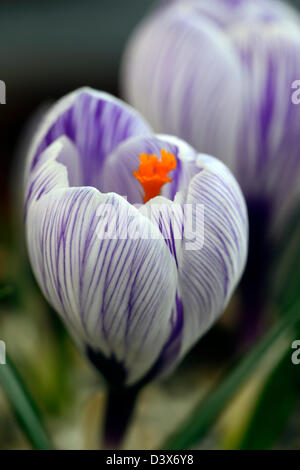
(153, 173)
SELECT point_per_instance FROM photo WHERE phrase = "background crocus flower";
(134, 305)
(219, 74)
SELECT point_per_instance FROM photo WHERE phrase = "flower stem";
(119, 410)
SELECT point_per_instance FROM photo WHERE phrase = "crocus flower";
(134, 303)
(219, 74)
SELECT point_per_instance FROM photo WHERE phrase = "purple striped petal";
(225, 13)
(58, 167)
(209, 265)
(116, 294)
(183, 75)
(95, 122)
(267, 160)
(168, 217)
(208, 274)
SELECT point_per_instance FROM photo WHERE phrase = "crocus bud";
(114, 237)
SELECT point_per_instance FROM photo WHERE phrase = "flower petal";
(225, 13)
(95, 122)
(114, 291)
(210, 270)
(206, 231)
(58, 167)
(182, 73)
(268, 135)
(168, 217)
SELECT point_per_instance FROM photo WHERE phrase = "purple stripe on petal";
(95, 122)
(209, 272)
(116, 294)
(267, 161)
(157, 79)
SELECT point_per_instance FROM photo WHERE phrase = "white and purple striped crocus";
(219, 74)
(134, 304)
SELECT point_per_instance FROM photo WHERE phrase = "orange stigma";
(153, 173)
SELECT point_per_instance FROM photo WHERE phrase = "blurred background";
(48, 48)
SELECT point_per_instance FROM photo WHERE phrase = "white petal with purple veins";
(95, 122)
(211, 263)
(182, 73)
(267, 160)
(210, 266)
(227, 12)
(116, 295)
(208, 276)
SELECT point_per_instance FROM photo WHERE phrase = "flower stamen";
(152, 173)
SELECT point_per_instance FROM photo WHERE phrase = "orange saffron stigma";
(153, 173)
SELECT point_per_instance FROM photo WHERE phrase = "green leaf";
(23, 406)
(209, 409)
(274, 407)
